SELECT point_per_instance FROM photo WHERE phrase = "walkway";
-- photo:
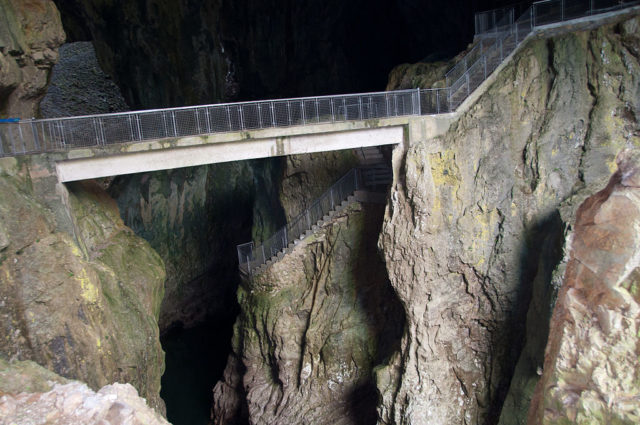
(88, 146)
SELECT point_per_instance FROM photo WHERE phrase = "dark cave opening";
(195, 359)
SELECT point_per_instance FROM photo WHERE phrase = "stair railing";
(252, 255)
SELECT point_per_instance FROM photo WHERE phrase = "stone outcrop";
(473, 234)
(591, 366)
(82, 302)
(30, 34)
(311, 330)
(79, 87)
(30, 394)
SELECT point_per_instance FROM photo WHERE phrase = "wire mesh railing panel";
(251, 256)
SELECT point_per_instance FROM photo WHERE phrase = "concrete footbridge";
(95, 146)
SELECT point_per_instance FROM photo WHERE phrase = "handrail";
(252, 255)
(61, 134)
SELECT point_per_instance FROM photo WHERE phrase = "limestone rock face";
(85, 307)
(306, 177)
(473, 234)
(311, 330)
(43, 397)
(30, 34)
(194, 218)
(78, 85)
(591, 367)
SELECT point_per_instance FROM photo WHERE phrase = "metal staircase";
(367, 183)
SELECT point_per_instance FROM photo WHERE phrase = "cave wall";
(311, 330)
(30, 34)
(477, 218)
(80, 293)
(184, 52)
(194, 218)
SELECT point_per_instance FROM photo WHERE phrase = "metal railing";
(49, 135)
(59, 134)
(252, 255)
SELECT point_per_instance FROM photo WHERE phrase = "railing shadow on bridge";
(500, 36)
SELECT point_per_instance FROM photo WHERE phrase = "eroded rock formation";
(311, 330)
(30, 34)
(194, 218)
(591, 367)
(83, 303)
(30, 394)
(473, 235)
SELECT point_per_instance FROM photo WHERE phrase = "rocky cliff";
(194, 218)
(474, 234)
(30, 34)
(34, 395)
(311, 330)
(591, 364)
(82, 302)
(182, 52)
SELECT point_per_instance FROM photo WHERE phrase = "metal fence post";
(229, 118)
(484, 59)
(533, 17)
(208, 115)
(438, 101)
(273, 115)
(317, 111)
(241, 113)
(304, 120)
(333, 115)
(259, 115)
(173, 120)
(264, 257)
(418, 102)
(360, 107)
(36, 141)
(562, 10)
(468, 87)
(289, 111)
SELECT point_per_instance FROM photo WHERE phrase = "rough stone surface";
(38, 396)
(78, 85)
(591, 367)
(311, 330)
(473, 235)
(306, 177)
(221, 50)
(30, 34)
(84, 306)
(194, 218)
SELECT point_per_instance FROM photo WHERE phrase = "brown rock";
(591, 366)
(30, 34)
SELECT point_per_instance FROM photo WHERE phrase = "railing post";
(36, 141)
(259, 115)
(468, 85)
(175, 126)
(418, 102)
(317, 111)
(438, 101)
(286, 240)
(273, 115)
(333, 115)
(590, 7)
(484, 58)
(344, 105)
(562, 10)
(229, 118)
(241, 113)
(533, 18)
(360, 107)
(289, 111)
(264, 257)
(208, 115)
(331, 194)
